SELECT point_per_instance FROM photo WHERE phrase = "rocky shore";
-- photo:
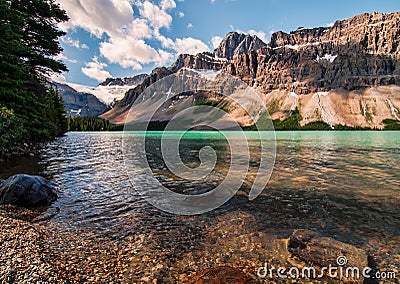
(21, 252)
(34, 253)
(51, 253)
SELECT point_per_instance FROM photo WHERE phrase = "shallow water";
(345, 185)
(356, 169)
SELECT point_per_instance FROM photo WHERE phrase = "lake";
(344, 185)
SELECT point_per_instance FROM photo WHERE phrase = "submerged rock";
(310, 247)
(27, 191)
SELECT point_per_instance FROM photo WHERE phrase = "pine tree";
(40, 34)
(28, 43)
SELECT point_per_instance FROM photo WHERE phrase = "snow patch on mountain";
(106, 94)
(327, 57)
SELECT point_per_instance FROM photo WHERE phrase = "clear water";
(344, 185)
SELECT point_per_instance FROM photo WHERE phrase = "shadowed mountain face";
(346, 74)
(80, 104)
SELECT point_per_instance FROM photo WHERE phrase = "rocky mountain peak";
(236, 43)
(127, 81)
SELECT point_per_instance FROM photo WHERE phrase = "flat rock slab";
(220, 275)
(27, 191)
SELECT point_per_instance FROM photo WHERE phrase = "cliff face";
(377, 33)
(321, 71)
(356, 53)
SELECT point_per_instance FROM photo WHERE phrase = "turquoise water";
(344, 185)
(358, 169)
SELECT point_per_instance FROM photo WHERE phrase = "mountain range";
(346, 74)
(82, 100)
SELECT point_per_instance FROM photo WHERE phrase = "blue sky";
(121, 38)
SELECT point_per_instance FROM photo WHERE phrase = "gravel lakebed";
(40, 252)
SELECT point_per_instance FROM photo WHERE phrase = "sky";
(120, 38)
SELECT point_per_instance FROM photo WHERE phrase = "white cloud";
(73, 42)
(138, 29)
(330, 25)
(215, 41)
(157, 18)
(212, 1)
(190, 26)
(127, 33)
(190, 46)
(130, 52)
(167, 4)
(260, 34)
(125, 44)
(165, 41)
(97, 17)
(183, 45)
(181, 14)
(62, 57)
(95, 70)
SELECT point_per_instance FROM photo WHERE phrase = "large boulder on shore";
(27, 191)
